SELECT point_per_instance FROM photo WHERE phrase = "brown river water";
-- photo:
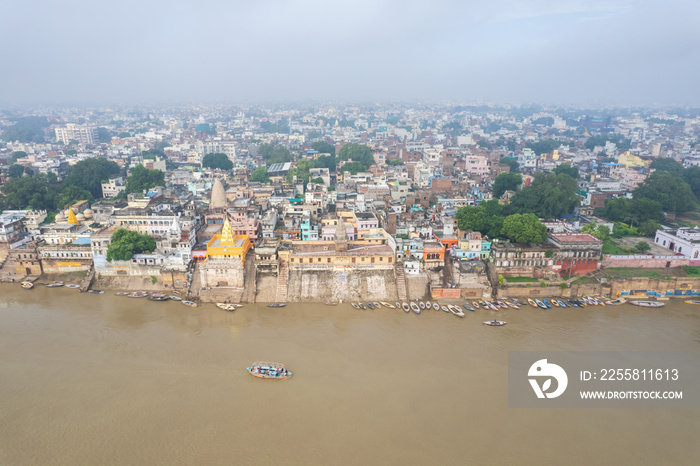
(103, 379)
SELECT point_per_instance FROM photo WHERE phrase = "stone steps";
(400, 282)
(282, 278)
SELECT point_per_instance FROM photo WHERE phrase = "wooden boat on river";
(269, 370)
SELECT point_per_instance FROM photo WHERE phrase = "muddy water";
(102, 379)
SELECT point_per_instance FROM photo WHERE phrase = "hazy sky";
(592, 52)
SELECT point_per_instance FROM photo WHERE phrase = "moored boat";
(445, 308)
(370, 305)
(428, 305)
(54, 285)
(387, 305)
(355, 305)
(546, 303)
(648, 303)
(415, 308)
(96, 291)
(475, 305)
(531, 302)
(456, 310)
(495, 323)
(615, 302)
(436, 306)
(405, 307)
(540, 304)
(27, 285)
(398, 305)
(269, 370)
(175, 298)
(228, 306)
(691, 301)
(421, 305)
(275, 305)
(561, 303)
(189, 303)
(158, 298)
(74, 287)
(362, 306)
(121, 293)
(555, 303)
(469, 308)
(377, 305)
(492, 306)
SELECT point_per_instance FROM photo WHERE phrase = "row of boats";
(156, 297)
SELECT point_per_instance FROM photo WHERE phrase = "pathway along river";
(103, 379)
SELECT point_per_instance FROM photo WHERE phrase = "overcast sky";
(590, 52)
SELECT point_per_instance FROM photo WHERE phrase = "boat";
(691, 301)
(492, 306)
(96, 291)
(27, 285)
(555, 303)
(330, 303)
(121, 293)
(158, 298)
(421, 305)
(54, 285)
(475, 305)
(74, 287)
(513, 305)
(189, 303)
(415, 308)
(456, 310)
(616, 302)
(495, 323)
(571, 303)
(228, 306)
(175, 298)
(648, 303)
(540, 304)
(501, 304)
(405, 307)
(546, 303)
(398, 305)
(445, 308)
(137, 295)
(370, 305)
(269, 370)
(428, 305)
(377, 305)
(561, 303)
(355, 305)
(274, 305)
(387, 305)
(436, 306)
(362, 306)
(531, 302)
(468, 307)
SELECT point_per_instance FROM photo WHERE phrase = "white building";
(684, 241)
(113, 187)
(84, 134)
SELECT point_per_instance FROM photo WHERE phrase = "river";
(103, 379)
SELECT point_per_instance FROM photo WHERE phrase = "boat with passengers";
(269, 370)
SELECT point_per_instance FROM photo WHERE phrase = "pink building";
(477, 165)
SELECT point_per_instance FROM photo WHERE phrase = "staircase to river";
(282, 278)
(400, 281)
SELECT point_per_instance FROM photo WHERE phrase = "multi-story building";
(576, 253)
(684, 241)
(113, 187)
(84, 134)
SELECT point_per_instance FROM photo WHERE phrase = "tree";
(260, 175)
(274, 154)
(104, 134)
(20, 193)
(505, 182)
(394, 162)
(357, 153)
(325, 161)
(524, 228)
(89, 173)
(642, 247)
(512, 163)
(643, 209)
(544, 147)
(323, 148)
(70, 194)
(549, 196)
(669, 189)
(217, 160)
(18, 154)
(353, 167)
(142, 178)
(602, 232)
(568, 170)
(617, 209)
(691, 175)
(666, 164)
(27, 129)
(649, 227)
(486, 218)
(126, 243)
(16, 171)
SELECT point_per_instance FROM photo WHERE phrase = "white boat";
(73, 286)
(405, 307)
(648, 303)
(436, 306)
(495, 323)
(415, 308)
(228, 306)
(421, 305)
(456, 310)
(445, 308)
(27, 285)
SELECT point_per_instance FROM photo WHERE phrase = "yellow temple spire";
(227, 233)
(71, 217)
